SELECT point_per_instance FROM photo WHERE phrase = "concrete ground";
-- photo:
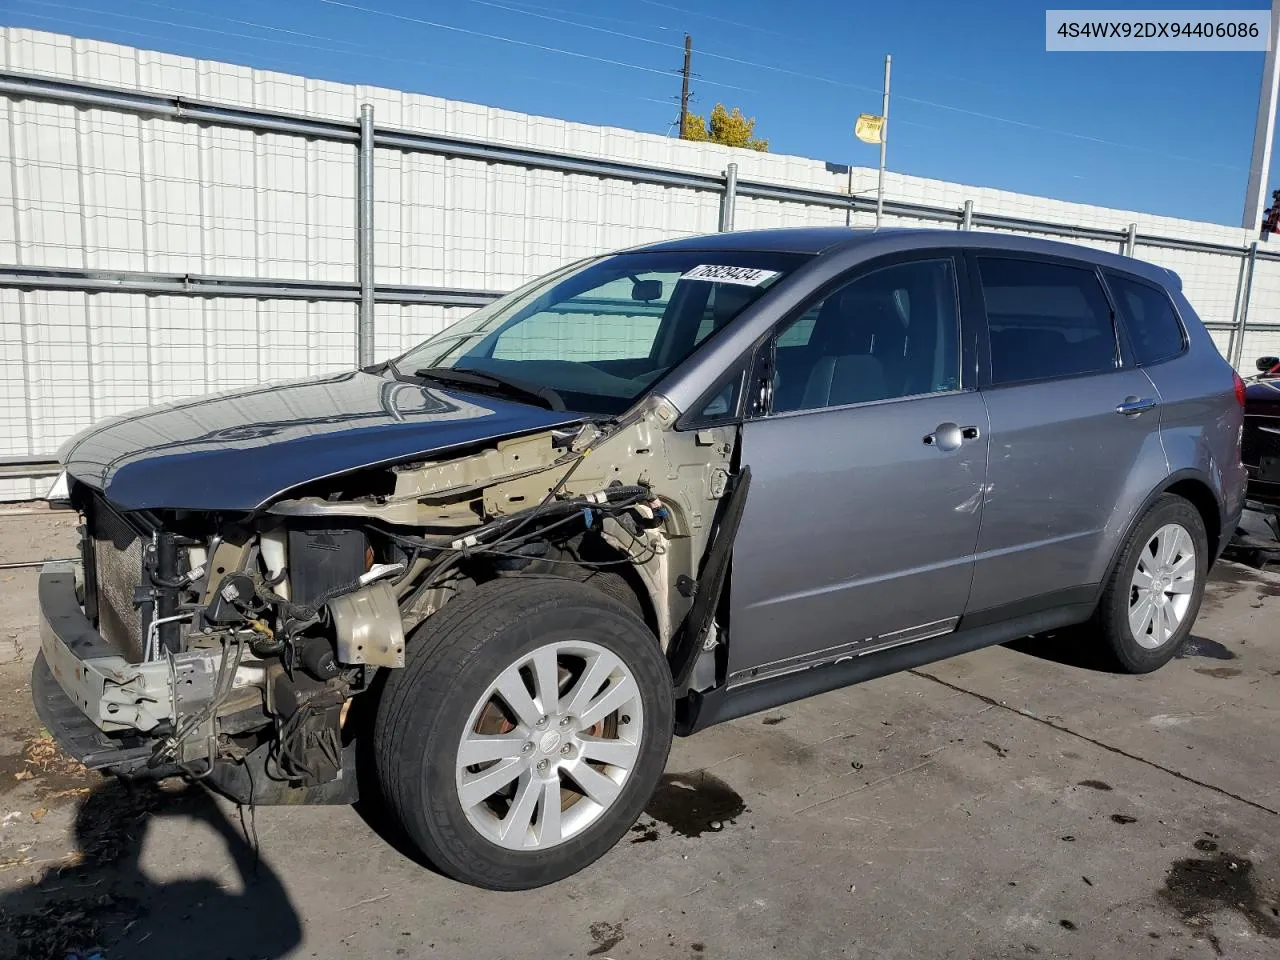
(1010, 803)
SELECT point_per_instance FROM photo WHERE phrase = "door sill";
(700, 710)
(841, 653)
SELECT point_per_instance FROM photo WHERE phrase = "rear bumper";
(1263, 491)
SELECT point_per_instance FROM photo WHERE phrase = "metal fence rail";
(364, 136)
(28, 467)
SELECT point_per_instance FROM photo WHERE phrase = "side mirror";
(646, 291)
(1266, 363)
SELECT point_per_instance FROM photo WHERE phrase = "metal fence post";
(364, 239)
(730, 197)
(1130, 239)
(966, 220)
(1238, 351)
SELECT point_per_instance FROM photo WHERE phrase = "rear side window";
(1154, 330)
(1046, 320)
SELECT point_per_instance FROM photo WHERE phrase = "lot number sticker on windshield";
(746, 276)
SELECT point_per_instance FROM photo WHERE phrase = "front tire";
(525, 734)
(1151, 601)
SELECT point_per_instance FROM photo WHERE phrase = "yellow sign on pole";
(869, 128)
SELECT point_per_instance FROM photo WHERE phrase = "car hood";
(238, 451)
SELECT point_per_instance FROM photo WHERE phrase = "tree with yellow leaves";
(729, 128)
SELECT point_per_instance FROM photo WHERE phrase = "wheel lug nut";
(566, 750)
(528, 747)
(542, 722)
(565, 721)
(542, 766)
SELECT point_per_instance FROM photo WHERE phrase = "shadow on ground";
(99, 898)
(1071, 648)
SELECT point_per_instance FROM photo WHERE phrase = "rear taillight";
(1239, 388)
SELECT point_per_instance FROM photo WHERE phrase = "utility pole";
(684, 83)
(884, 138)
(1264, 129)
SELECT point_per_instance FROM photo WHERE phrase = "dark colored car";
(1260, 448)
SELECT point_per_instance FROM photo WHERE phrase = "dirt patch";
(1001, 752)
(695, 803)
(606, 937)
(1220, 672)
(66, 926)
(42, 765)
(1199, 887)
(87, 899)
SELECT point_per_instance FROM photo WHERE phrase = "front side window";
(1046, 320)
(1155, 333)
(597, 335)
(890, 333)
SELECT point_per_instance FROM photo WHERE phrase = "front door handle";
(1132, 406)
(949, 436)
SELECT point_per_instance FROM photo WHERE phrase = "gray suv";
(650, 492)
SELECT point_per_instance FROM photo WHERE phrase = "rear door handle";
(1132, 406)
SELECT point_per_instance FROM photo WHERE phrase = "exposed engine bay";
(244, 642)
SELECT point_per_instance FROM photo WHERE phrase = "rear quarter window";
(1154, 331)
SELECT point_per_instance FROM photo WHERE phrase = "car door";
(867, 469)
(1074, 434)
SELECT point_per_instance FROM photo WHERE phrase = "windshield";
(599, 333)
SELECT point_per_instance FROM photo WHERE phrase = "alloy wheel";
(1164, 580)
(549, 745)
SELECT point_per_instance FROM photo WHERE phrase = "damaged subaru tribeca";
(650, 492)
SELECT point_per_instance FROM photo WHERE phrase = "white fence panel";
(96, 188)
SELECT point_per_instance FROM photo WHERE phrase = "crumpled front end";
(233, 647)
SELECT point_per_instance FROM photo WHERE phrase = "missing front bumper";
(112, 693)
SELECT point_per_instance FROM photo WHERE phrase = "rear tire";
(1151, 600)
(570, 769)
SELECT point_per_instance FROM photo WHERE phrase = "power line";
(711, 16)
(1066, 133)
(512, 40)
(46, 4)
(121, 31)
(853, 86)
(355, 51)
(1087, 138)
(597, 16)
(247, 23)
(659, 43)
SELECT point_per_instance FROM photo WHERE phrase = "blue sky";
(976, 98)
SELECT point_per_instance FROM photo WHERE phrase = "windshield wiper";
(495, 383)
